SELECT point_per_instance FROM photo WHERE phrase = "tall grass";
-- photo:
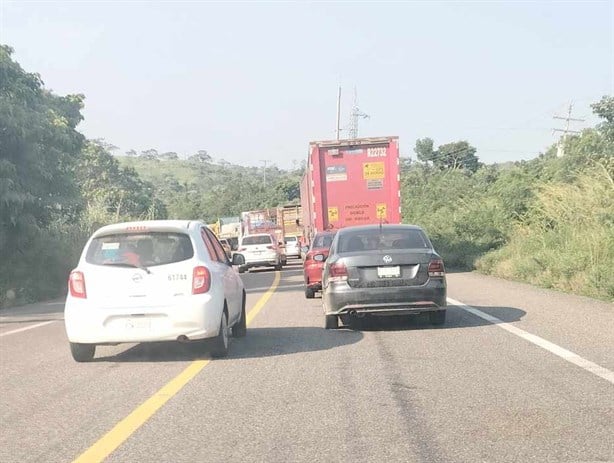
(566, 241)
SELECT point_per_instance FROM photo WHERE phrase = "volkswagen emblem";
(387, 259)
(137, 277)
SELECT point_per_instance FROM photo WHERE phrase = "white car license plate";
(389, 272)
(138, 324)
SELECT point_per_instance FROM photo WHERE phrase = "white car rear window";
(290, 239)
(142, 249)
(257, 239)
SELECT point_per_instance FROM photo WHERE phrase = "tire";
(82, 352)
(309, 293)
(219, 346)
(437, 318)
(331, 322)
(239, 330)
(278, 267)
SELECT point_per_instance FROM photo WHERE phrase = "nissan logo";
(137, 277)
(387, 259)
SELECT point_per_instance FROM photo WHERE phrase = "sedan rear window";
(257, 239)
(142, 249)
(323, 241)
(290, 239)
(383, 240)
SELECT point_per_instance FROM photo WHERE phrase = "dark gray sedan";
(383, 270)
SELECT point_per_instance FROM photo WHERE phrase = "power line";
(560, 152)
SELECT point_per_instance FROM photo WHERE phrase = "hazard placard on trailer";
(380, 210)
(373, 170)
(333, 214)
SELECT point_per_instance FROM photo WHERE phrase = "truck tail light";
(338, 272)
(436, 268)
(76, 284)
(201, 280)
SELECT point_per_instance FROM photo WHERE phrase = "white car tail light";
(201, 280)
(76, 285)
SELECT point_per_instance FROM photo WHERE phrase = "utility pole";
(355, 115)
(560, 152)
(264, 161)
(338, 129)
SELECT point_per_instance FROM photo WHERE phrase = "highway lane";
(291, 391)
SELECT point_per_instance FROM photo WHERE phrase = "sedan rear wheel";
(82, 352)
(309, 293)
(437, 318)
(331, 322)
(220, 342)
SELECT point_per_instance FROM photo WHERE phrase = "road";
(534, 383)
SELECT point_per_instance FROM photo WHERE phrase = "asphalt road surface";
(516, 374)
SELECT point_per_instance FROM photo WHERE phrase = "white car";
(261, 250)
(163, 280)
(293, 248)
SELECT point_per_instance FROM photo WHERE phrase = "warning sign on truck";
(380, 210)
(376, 184)
(373, 170)
(333, 214)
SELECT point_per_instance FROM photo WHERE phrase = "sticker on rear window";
(109, 246)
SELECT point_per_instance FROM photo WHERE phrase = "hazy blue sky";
(252, 81)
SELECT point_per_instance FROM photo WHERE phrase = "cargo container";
(261, 221)
(290, 217)
(351, 182)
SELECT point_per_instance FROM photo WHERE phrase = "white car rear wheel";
(220, 342)
(82, 352)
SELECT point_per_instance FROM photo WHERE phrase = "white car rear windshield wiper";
(127, 264)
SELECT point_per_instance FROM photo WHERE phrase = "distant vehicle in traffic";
(227, 247)
(350, 183)
(313, 264)
(383, 270)
(167, 280)
(293, 248)
(261, 250)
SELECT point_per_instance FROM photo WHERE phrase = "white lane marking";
(26, 328)
(541, 342)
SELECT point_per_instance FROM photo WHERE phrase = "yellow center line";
(126, 427)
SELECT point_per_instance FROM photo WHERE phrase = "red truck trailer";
(351, 182)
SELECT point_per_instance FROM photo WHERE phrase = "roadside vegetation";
(548, 221)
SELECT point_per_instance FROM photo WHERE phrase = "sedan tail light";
(242, 249)
(338, 272)
(270, 247)
(76, 284)
(201, 280)
(436, 268)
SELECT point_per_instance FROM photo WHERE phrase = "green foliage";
(39, 147)
(199, 188)
(548, 221)
(456, 155)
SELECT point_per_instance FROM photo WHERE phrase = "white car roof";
(148, 225)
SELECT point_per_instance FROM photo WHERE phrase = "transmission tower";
(355, 114)
(560, 151)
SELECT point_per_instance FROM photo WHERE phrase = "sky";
(254, 81)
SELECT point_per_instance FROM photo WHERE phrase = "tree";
(456, 155)
(200, 156)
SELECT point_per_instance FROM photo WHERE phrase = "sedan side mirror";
(319, 257)
(238, 259)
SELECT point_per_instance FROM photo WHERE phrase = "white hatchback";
(166, 280)
(261, 250)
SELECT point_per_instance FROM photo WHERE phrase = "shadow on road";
(456, 318)
(259, 342)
